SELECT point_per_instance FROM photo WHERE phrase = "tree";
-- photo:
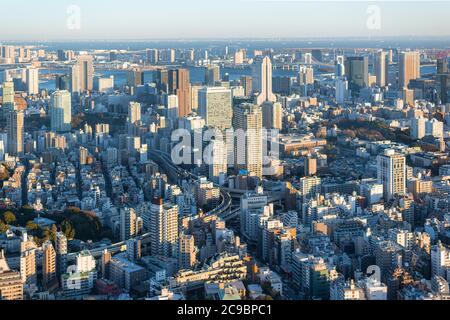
(3, 227)
(31, 226)
(53, 233)
(68, 230)
(10, 218)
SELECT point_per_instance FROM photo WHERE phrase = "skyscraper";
(272, 115)
(83, 74)
(443, 78)
(408, 68)
(247, 83)
(305, 75)
(341, 90)
(163, 227)
(61, 111)
(392, 173)
(212, 75)
(15, 124)
(8, 98)
(134, 112)
(179, 84)
(218, 163)
(32, 81)
(262, 81)
(418, 130)
(61, 253)
(357, 72)
(152, 56)
(48, 265)
(129, 225)
(381, 68)
(248, 147)
(214, 105)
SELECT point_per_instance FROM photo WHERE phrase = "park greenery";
(73, 222)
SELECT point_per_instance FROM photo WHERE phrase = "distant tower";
(15, 124)
(262, 81)
(61, 111)
(163, 227)
(215, 106)
(248, 153)
(83, 74)
(48, 264)
(392, 173)
(381, 68)
(408, 68)
(357, 72)
(32, 81)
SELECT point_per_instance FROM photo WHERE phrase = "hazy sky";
(157, 19)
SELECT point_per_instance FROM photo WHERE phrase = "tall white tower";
(262, 81)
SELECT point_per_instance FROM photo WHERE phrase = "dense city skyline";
(242, 167)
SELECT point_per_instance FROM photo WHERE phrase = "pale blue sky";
(150, 19)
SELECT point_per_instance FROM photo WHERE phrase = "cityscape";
(254, 169)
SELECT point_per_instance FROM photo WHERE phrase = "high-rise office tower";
(392, 173)
(408, 68)
(239, 57)
(152, 56)
(305, 75)
(308, 58)
(186, 252)
(8, 98)
(212, 75)
(61, 111)
(83, 74)
(215, 106)
(162, 80)
(134, 112)
(172, 107)
(248, 148)
(61, 253)
(381, 68)
(272, 115)
(247, 83)
(217, 162)
(262, 81)
(129, 223)
(163, 227)
(443, 78)
(357, 72)
(8, 54)
(15, 124)
(135, 77)
(48, 264)
(83, 154)
(418, 129)
(32, 81)
(340, 66)
(179, 84)
(341, 90)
